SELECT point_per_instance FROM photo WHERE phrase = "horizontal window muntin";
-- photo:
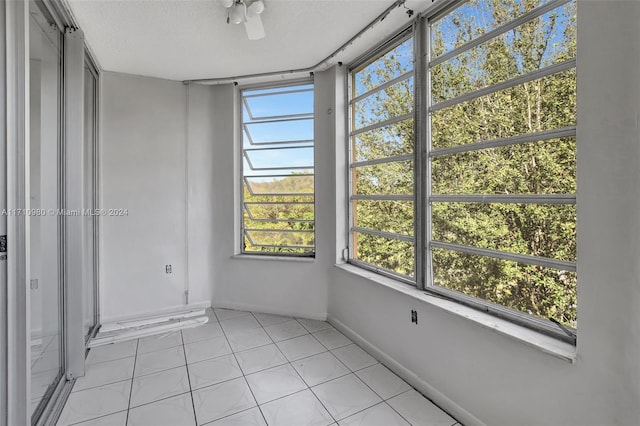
(489, 73)
(397, 158)
(392, 178)
(256, 232)
(394, 264)
(493, 125)
(504, 198)
(390, 141)
(278, 155)
(402, 44)
(542, 325)
(298, 130)
(285, 98)
(498, 226)
(525, 78)
(253, 187)
(538, 168)
(365, 113)
(275, 209)
(544, 7)
(390, 216)
(558, 133)
(472, 289)
(385, 123)
(400, 78)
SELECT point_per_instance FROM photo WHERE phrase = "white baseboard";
(447, 404)
(270, 310)
(109, 322)
(153, 329)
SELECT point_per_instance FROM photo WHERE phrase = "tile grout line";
(186, 365)
(133, 373)
(224, 333)
(245, 377)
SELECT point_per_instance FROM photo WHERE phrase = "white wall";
(285, 286)
(143, 153)
(500, 381)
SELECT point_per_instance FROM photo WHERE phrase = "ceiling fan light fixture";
(238, 14)
(256, 8)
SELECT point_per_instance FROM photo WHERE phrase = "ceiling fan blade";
(254, 27)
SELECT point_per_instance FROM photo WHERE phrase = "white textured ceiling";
(189, 39)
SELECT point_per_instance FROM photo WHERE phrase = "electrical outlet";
(167, 269)
(414, 316)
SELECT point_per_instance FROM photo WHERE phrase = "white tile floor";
(244, 369)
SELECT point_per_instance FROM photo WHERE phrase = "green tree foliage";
(281, 223)
(539, 167)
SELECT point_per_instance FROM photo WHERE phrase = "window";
(381, 162)
(278, 170)
(498, 131)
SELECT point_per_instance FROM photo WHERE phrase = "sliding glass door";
(90, 221)
(45, 198)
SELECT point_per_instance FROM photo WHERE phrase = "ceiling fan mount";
(247, 12)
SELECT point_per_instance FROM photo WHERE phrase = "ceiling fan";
(247, 12)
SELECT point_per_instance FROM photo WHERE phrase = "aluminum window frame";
(424, 154)
(369, 57)
(243, 180)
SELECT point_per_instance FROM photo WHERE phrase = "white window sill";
(539, 341)
(274, 258)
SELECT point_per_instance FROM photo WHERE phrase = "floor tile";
(260, 358)
(300, 347)
(159, 341)
(274, 383)
(300, 409)
(105, 373)
(224, 314)
(320, 368)
(206, 349)
(174, 411)
(378, 415)
(270, 319)
(313, 325)
(221, 400)
(285, 330)
(239, 324)
(96, 402)
(112, 352)
(213, 371)
(383, 381)
(163, 359)
(332, 338)
(354, 357)
(241, 340)
(345, 396)
(250, 417)
(116, 419)
(161, 385)
(418, 410)
(202, 332)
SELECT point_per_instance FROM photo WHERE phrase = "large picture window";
(278, 170)
(498, 131)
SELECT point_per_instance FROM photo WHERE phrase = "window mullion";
(421, 175)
